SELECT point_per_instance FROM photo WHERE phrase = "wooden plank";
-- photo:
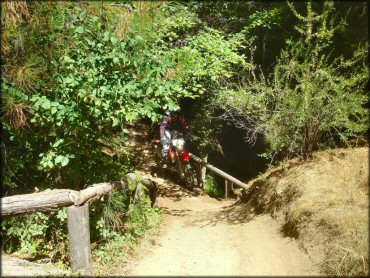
(79, 238)
(220, 172)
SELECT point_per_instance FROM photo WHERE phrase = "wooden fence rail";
(77, 203)
(229, 180)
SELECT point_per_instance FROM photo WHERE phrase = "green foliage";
(96, 84)
(107, 218)
(179, 21)
(208, 61)
(58, 119)
(213, 188)
(204, 131)
(123, 224)
(310, 98)
(99, 81)
(38, 235)
(265, 19)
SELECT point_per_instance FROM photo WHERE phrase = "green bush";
(124, 231)
(213, 188)
(311, 99)
(39, 235)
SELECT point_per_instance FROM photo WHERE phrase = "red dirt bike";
(179, 159)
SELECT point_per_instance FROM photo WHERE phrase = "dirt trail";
(203, 236)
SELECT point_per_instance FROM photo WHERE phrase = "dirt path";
(204, 236)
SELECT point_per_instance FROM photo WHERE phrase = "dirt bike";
(179, 159)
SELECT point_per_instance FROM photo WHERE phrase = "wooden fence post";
(229, 186)
(203, 171)
(79, 238)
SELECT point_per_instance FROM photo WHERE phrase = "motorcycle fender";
(172, 155)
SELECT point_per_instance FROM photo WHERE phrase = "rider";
(171, 121)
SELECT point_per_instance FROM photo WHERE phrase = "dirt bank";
(324, 203)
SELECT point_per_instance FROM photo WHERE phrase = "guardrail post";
(229, 186)
(79, 238)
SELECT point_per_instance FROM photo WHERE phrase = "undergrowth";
(117, 226)
(39, 236)
(213, 188)
(140, 222)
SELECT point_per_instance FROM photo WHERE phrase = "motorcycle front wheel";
(190, 176)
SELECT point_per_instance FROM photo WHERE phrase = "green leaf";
(113, 40)
(79, 29)
(106, 36)
(115, 60)
(50, 164)
(57, 143)
(65, 161)
(45, 104)
(115, 122)
(59, 159)
(149, 90)
(67, 80)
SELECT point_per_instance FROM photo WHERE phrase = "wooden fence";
(77, 203)
(229, 180)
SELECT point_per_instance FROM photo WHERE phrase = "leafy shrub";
(310, 98)
(213, 188)
(39, 235)
(125, 230)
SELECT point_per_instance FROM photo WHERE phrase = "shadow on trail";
(177, 212)
(175, 193)
(233, 215)
(176, 190)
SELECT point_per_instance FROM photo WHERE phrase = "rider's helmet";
(172, 115)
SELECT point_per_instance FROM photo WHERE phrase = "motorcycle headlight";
(180, 144)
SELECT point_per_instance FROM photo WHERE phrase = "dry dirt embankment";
(324, 203)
